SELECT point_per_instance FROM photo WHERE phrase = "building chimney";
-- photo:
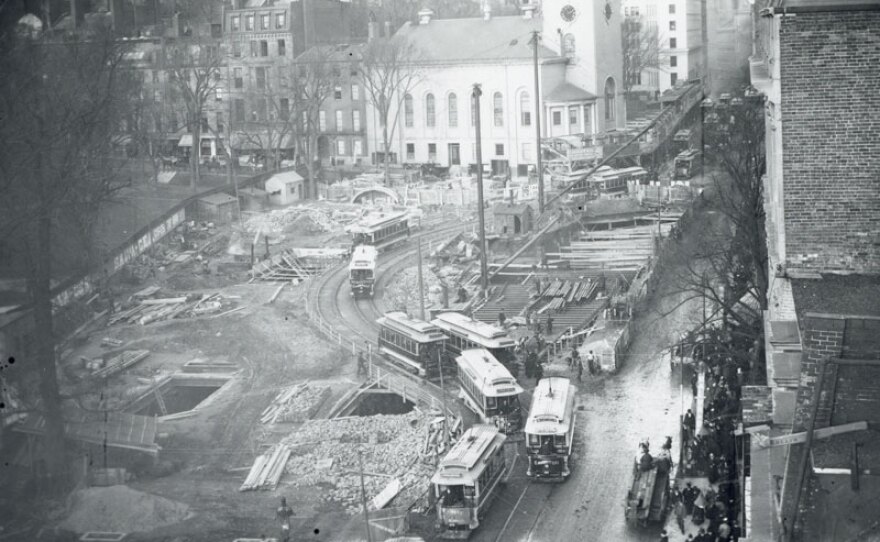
(528, 11)
(425, 16)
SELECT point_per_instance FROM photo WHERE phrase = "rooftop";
(567, 92)
(220, 198)
(500, 39)
(837, 294)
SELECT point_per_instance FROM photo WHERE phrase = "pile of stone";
(326, 452)
(403, 292)
(296, 404)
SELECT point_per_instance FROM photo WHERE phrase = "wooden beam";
(825, 432)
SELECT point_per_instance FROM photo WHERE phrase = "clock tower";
(588, 32)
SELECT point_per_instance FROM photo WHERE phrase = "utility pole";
(446, 428)
(535, 38)
(364, 496)
(230, 166)
(484, 275)
(421, 283)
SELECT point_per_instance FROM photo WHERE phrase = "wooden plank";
(164, 301)
(387, 494)
(277, 293)
(825, 432)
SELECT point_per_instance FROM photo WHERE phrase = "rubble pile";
(296, 404)
(403, 292)
(145, 308)
(304, 218)
(326, 452)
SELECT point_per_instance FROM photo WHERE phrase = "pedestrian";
(361, 363)
(689, 423)
(694, 380)
(501, 319)
(549, 324)
(580, 369)
(575, 359)
(591, 363)
(284, 513)
(678, 507)
(724, 530)
(539, 372)
(688, 496)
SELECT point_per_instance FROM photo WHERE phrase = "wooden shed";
(513, 219)
(219, 208)
(284, 188)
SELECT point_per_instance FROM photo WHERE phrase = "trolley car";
(490, 390)
(687, 164)
(413, 344)
(549, 429)
(466, 333)
(467, 480)
(382, 231)
(362, 271)
(606, 181)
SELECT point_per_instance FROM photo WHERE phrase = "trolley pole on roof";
(540, 166)
(484, 275)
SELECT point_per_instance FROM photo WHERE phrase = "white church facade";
(580, 75)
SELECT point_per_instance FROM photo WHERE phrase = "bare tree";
(145, 122)
(389, 72)
(641, 50)
(194, 67)
(62, 103)
(272, 126)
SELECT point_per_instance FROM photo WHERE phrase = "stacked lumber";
(120, 362)
(267, 469)
(284, 266)
(156, 310)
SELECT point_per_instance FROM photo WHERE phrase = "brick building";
(815, 61)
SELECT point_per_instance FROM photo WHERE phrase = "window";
(672, 9)
(236, 23)
(284, 108)
(239, 110)
(429, 111)
(432, 152)
(260, 73)
(261, 109)
(498, 109)
(322, 121)
(255, 48)
(338, 120)
(355, 92)
(673, 61)
(280, 20)
(673, 78)
(557, 118)
(218, 94)
(219, 121)
(264, 48)
(672, 25)
(610, 99)
(249, 22)
(282, 48)
(573, 116)
(525, 109)
(499, 149)
(358, 147)
(337, 92)
(340, 146)
(673, 43)
(408, 110)
(264, 21)
(239, 80)
(568, 45)
(356, 121)
(410, 151)
(236, 49)
(453, 110)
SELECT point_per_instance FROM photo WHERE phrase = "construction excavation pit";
(374, 401)
(178, 394)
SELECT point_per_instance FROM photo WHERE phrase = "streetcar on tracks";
(467, 481)
(549, 430)
(362, 271)
(688, 164)
(606, 181)
(381, 231)
(466, 333)
(489, 390)
(415, 345)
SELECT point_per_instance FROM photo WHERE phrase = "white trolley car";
(489, 389)
(382, 231)
(467, 480)
(549, 430)
(466, 333)
(362, 271)
(413, 344)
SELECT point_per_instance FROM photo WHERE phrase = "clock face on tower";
(568, 13)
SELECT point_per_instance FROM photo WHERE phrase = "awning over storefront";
(187, 139)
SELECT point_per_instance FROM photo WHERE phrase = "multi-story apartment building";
(263, 39)
(677, 25)
(580, 65)
(815, 63)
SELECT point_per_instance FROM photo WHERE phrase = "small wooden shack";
(513, 219)
(219, 208)
(284, 188)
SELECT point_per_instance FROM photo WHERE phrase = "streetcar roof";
(467, 459)
(552, 407)
(479, 332)
(688, 154)
(363, 257)
(372, 223)
(493, 378)
(414, 328)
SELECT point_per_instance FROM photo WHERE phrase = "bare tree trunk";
(41, 293)
(195, 155)
(311, 185)
(385, 153)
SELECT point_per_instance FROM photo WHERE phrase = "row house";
(580, 74)
(822, 326)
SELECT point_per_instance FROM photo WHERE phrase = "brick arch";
(380, 189)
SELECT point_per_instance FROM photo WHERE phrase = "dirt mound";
(121, 509)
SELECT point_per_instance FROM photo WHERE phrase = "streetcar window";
(559, 441)
(491, 402)
(533, 440)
